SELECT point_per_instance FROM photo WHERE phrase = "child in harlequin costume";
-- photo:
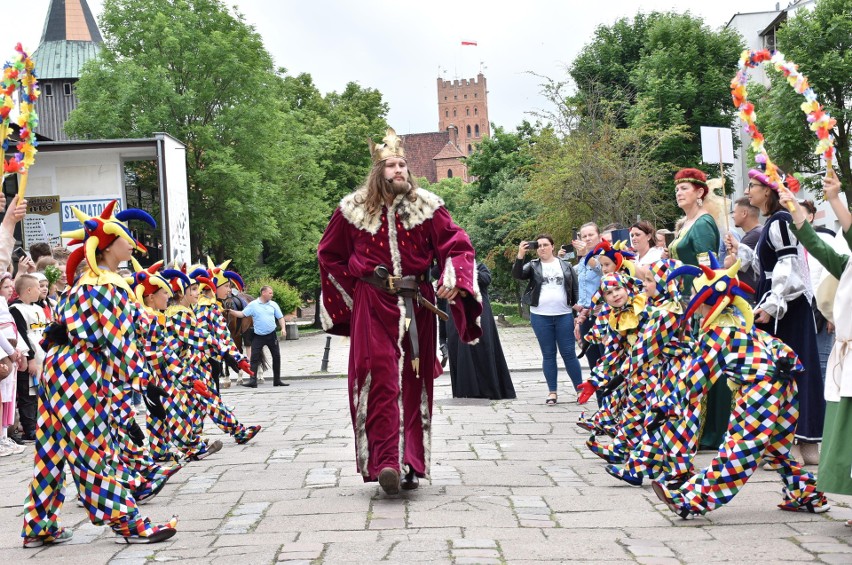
(612, 259)
(90, 349)
(760, 370)
(209, 313)
(660, 351)
(626, 319)
(170, 435)
(194, 344)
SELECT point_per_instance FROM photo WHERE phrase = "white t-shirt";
(552, 300)
(653, 254)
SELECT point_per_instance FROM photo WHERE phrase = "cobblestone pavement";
(511, 483)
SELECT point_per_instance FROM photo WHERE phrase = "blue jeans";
(553, 331)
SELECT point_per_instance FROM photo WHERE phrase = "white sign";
(91, 206)
(41, 224)
(717, 145)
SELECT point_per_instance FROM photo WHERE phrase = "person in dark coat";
(480, 370)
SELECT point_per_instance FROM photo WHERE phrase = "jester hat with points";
(186, 280)
(219, 275)
(717, 287)
(145, 282)
(99, 232)
(617, 253)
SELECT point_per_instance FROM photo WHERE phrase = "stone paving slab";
(512, 483)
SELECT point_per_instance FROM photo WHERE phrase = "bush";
(286, 296)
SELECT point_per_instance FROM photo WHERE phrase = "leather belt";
(408, 287)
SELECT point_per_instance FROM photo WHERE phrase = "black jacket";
(532, 272)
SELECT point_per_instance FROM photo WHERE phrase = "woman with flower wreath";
(784, 301)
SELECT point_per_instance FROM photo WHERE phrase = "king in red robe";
(404, 230)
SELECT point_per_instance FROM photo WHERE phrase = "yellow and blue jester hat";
(219, 274)
(99, 232)
(717, 287)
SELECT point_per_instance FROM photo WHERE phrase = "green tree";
(656, 72)
(603, 69)
(820, 42)
(502, 152)
(497, 224)
(194, 70)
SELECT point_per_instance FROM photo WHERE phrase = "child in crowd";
(30, 322)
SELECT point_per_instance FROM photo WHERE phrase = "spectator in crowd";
(643, 242)
(267, 316)
(39, 250)
(30, 321)
(747, 218)
(588, 282)
(551, 293)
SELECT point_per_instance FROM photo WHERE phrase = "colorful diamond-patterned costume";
(761, 372)
(89, 354)
(194, 342)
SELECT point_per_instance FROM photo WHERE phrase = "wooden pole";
(722, 178)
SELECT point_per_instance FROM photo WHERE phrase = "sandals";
(551, 399)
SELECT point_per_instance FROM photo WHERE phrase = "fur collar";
(412, 214)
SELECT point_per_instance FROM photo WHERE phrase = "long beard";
(397, 187)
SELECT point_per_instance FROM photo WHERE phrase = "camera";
(18, 253)
(565, 247)
(532, 245)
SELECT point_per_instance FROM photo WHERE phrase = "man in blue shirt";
(267, 317)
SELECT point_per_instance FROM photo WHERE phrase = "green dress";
(703, 237)
(835, 460)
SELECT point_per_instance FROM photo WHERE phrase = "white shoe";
(13, 447)
(4, 450)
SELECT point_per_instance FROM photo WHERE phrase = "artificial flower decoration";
(218, 274)
(716, 287)
(820, 122)
(19, 75)
(99, 232)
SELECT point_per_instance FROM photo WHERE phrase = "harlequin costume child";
(626, 321)
(759, 368)
(92, 349)
(194, 342)
(612, 259)
(659, 352)
(170, 435)
(209, 313)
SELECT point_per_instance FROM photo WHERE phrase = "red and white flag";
(469, 43)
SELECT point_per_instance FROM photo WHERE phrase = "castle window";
(446, 113)
(476, 111)
(468, 130)
(469, 149)
(455, 96)
(454, 112)
(445, 97)
(66, 87)
(476, 95)
(465, 96)
(48, 89)
(467, 111)
(449, 173)
(476, 129)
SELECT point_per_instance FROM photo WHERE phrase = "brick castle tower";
(464, 104)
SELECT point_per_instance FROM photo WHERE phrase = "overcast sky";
(400, 48)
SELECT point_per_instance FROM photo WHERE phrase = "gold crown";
(392, 147)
